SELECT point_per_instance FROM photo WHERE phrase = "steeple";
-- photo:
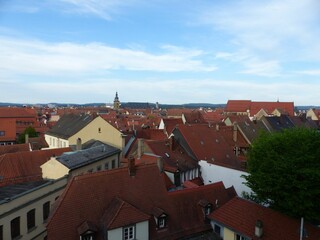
(116, 102)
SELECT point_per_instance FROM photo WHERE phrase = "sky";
(166, 51)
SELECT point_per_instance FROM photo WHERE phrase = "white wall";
(142, 232)
(213, 173)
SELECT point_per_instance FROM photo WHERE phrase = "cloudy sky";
(166, 51)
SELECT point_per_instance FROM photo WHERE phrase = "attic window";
(167, 155)
(2, 133)
(88, 236)
(207, 209)
(162, 221)
(99, 130)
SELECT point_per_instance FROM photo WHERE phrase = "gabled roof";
(25, 166)
(73, 160)
(208, 143)
(120, 213)
(174, 157)
(240, 216)
(70, 124)
(243, 106)
(274, 123)
(171, 123)
(16, 112)
(153, 134)
(194, 117)
(144, 191)
(14, 148)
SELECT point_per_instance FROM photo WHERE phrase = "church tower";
(116, 102)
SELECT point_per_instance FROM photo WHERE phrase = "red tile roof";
(254, 107)
(16, 112)
(208, 143)
(241, 215)
(25, 166)
(120, 213)
(14, 148)
(171, 123)
(152, 134)
(144, 191)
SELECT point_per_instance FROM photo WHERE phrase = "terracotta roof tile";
(241, 215)
(23, 166)
(14, 148)
(144, 191)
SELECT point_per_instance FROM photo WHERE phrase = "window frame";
(131, 235)
(31, 219)
(15, 228)
(45, 211)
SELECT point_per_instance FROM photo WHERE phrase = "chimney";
(171, 142)
(27, 138)
(131, 166)
(79, 144)
(217, 127)
(235, 132)
(140, 147)
(258, 231)
(160, 164)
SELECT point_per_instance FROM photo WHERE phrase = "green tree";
(284, 172)
(30, 131)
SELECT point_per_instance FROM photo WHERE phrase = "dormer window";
(162, 221)
(207, 209)
(160, 217)
(87, 236)
(87, 231)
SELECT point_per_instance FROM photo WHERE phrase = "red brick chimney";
(132, 166)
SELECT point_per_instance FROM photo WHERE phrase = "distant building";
(116, 102)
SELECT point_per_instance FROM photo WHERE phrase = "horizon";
(160, 51)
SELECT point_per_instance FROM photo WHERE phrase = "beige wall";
(310, 114)
(55, 142)
(107, 134)
(228, 234)
(53, 169)
(19, 207)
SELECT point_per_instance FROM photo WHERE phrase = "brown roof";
(16, 112)
(24, 166)
(240, 216)
(171, 123)
(208, 143)
(255, 107)
(144, 191)
(14, 148)
(120, 213)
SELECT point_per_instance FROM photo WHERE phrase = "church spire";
(116, 102)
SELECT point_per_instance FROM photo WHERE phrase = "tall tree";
(284, 172)
(31, 133)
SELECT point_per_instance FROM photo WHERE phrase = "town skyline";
(171, 52)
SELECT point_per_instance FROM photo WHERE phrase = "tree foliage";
(30, 131)
(284, 172)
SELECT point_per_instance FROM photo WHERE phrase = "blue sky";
(177, 51)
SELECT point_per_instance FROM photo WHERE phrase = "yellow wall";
(228, 234)
(53, 169)
(19, 207)
(107, 134)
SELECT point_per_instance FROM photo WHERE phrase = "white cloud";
(314, 72)
(271, 31)
(38, 57)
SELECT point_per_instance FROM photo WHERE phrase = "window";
(217, 229)
(15, 228)
(99, 130)
(2, 133)
(129, 233)
(87, 236)
(106, 166)
(207, 209)
(46, 210)
(31, 219)
(162, 222)
(239, 237)
(99, 168)
(113, 163)
(1, 232)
